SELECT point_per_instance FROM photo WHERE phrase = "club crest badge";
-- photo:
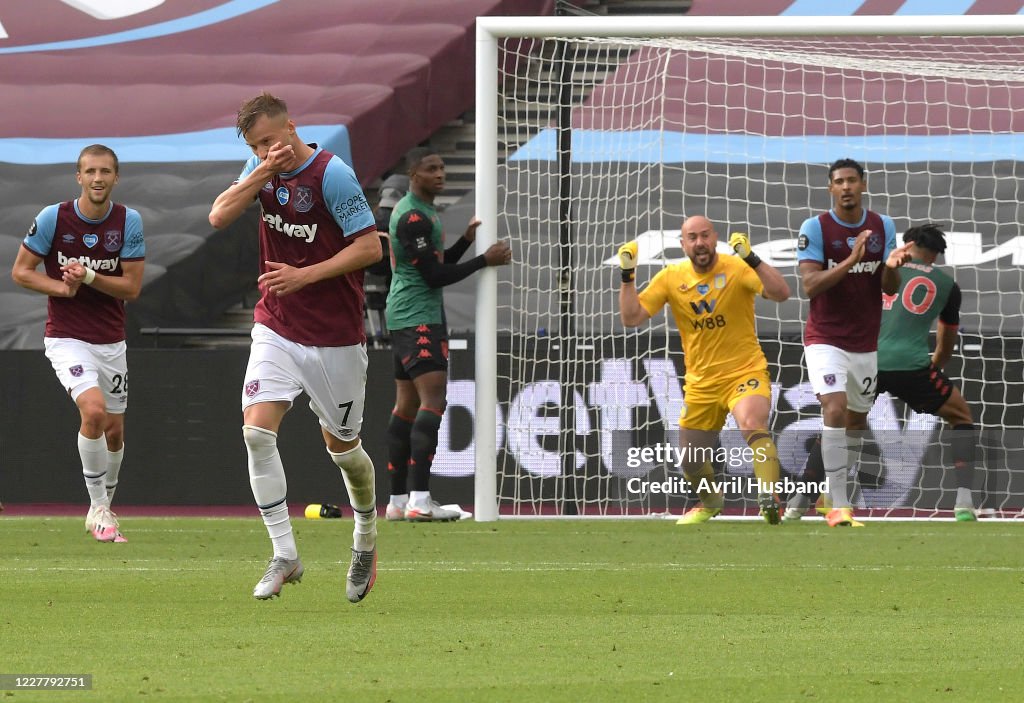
(303, 199)
(283, 196)
(874, 243)
(252, 388)
(76, 370)
(112, 240)
(830, 379)
(90, 240)
(719, 280)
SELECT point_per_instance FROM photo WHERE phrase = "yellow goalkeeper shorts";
(705, 405)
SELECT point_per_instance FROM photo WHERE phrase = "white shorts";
(81, 366)
(334, 378)
(832, 370)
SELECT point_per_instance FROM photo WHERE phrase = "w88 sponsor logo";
(709, 322)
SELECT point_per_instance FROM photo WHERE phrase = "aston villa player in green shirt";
(419, 334)
(906, 368)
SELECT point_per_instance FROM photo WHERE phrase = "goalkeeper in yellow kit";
(712, 301)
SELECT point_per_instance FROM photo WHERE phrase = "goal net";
(588, 140)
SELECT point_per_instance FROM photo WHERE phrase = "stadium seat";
(166, 249)
(9, 247)
(23, 321)
(373, 79)
(151, 273)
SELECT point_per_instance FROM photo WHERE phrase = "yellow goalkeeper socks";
(766, 458)
(706, 475)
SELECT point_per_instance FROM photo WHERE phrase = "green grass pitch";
(520, 611)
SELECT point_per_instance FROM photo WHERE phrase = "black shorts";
(924, 390)
(419, 350)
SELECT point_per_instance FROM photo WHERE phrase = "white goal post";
(592, 131)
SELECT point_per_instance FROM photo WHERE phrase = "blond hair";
(264, 104)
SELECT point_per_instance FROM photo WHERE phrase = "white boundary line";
(1019, 520)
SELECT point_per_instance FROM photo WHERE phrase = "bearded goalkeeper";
(712, 300)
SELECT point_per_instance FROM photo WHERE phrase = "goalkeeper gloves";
(627, 261)
(740, 244)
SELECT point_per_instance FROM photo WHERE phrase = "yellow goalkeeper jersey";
(714, 313)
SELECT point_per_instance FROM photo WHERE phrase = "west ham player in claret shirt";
(92, 252)
(909, 371)
(317, 233)
(847, 257)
